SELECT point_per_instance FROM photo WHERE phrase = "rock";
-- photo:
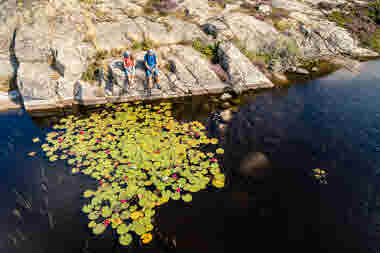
(210, 29)
(302, 71)
(115, 36)
(225, 105)
(199, 9)
(222, 129)
(253, 32)
(325, 6)
(275, 66)
(195, 67)
(280, 78)
(8, 102)
(118, 74)
(266, 9)
(314, 69)
(298, 70)
(226, 115)
(241, 71)
(254, 165)
(38, 81)
(225, 96)
(85, 92)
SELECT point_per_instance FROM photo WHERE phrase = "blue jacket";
(151, 60)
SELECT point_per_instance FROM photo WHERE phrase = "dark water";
(331, 123)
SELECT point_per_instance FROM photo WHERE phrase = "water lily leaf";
(122, 229)
(92, 224)
(88, 193)
(93, 215)
(86, 209)
(99, 228)
(187, 197)
(106, 211)
(125, 239)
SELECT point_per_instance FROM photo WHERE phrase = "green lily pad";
(125, 239)
(106, 211)
(122, 229)
(99, 228)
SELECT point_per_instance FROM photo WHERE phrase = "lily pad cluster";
(320, 175)
(141, 157)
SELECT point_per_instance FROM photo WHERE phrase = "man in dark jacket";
(151, 64)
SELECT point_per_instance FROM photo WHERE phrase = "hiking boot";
(158, 86)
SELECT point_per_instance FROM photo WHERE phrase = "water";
(331, 123)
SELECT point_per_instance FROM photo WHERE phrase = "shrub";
(282, 25)
(339, 18)
(210, 51)
(373, 41)
(147, 44)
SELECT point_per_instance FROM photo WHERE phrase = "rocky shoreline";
(57, 54)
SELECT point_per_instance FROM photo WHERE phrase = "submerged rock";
(254, 165)
(226, 115)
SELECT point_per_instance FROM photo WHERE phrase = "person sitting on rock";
(130, 68)
(151, 64)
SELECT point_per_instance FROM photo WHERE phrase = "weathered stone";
(62, 25)
(222, 129)
(37, 81)
(266, 9)
(210, 29)
(199, 9)
(226, 115)
(225, 96)
(300, 71)
(241, 71)
(253, 33)
(254, 165)
(116, 35)
(198, 67)
(8, 101)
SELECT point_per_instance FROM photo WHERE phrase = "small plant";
(374, 11)
(147, 44)
(282, 25)
(339, 18)
(136, 45)
(373, 41)
(210, 51)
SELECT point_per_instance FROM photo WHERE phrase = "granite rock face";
(77, 31)
(241, 71)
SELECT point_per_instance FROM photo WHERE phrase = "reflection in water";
(328, 124)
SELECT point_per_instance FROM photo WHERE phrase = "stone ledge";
(38, 107)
